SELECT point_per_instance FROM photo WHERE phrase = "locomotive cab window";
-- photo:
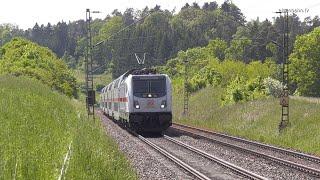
(140, 86)
(156, 87)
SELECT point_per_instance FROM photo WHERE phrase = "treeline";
(161, 34)
(247, 81)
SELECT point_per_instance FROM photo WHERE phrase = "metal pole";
(90, 93)
(86, 59)
(284, 100)
(186, 93)
(91, 62)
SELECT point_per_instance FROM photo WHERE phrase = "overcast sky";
(25, 13)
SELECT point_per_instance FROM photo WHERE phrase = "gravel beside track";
(247, 161)
(148, 163)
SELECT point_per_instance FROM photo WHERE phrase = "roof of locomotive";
(133, 72)
(144, 71)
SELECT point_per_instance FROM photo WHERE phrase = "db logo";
(150, 103)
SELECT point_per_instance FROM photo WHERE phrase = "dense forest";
(160, 34)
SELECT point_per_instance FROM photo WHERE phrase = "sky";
(25, 13)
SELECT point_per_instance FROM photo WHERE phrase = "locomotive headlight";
(163, 104)
(136, 105)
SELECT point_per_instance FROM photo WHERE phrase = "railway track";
(233, 142)
(173, 158)
(189, 168)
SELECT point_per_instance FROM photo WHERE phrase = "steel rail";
(261, 145)
(224, 163)
(182, 164)
(294, 165)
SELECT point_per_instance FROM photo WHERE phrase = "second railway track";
(302, 162)
(197, 173)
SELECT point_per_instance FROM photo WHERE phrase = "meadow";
(256, 120)
(37, 127)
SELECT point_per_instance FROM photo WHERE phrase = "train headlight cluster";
(163, 104)
(136, 105)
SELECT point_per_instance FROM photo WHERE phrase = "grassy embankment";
(256, 120)
(37, 126)
(99, 79)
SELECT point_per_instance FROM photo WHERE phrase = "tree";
(210, 6)
(186, 6)
(128, 16)
(195, 5)
(8, 31)
(21, 57)
(217, 48)
(305, 64)
(238, 50)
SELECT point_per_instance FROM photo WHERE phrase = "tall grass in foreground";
(256, 120)
(37, 126)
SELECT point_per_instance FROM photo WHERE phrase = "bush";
(204, 77)
(236, 91)
(230, 70)
(205, 67)
(304, 64)
(241, 89)
(273, 87)
(21, 57)
(99, 87)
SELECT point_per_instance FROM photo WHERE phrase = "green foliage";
(38, 126)
(99, 87)
(305, 64)
(163, 33)
(21, 57)
(256, 120)
(243, 82)
(238, 49)
(69, 60)
(273, 87)
(8, 31)
(241, 89)
(217, 48)
(206, 76)
(257, 68)
(110, 27)
(236, 91)
(230, 70)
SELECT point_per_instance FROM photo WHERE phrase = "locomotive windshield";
(140, 86)
(143, 87)
(157, 86)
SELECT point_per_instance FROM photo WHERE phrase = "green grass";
(37, 126)
(256, 120)
(97, 79)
